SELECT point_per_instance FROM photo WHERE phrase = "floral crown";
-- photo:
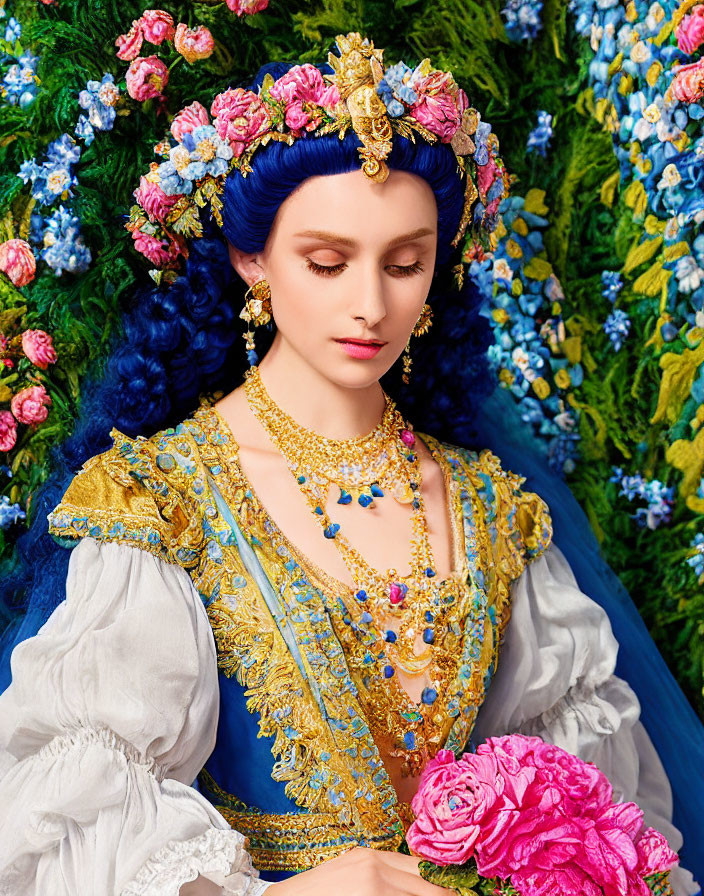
(203, 148)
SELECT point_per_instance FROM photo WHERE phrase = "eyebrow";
(327, 237)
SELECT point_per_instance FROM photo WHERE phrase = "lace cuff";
(217, 852)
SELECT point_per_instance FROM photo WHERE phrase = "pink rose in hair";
(130, 44)
(8, 431)
(160, 251)
(157, 25)
(146, 77)
(246, 7)
(303, 89)
(688, 84)
(188, 119)
(194, 43)
(38, 346)
(654, 853)
(30, 405)
(155, 202)
(440, 104)
(17, 261)
(239, 117)
(690, 31)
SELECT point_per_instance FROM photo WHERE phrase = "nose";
(369, 298)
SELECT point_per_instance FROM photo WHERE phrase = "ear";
(246, 264)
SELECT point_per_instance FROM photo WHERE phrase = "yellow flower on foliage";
(541, 387)
(679, 373)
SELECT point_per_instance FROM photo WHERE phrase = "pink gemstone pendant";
(408, 438)
(396, 593)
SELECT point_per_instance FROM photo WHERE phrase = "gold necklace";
(370, 466)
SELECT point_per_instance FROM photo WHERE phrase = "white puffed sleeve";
(111, 713)
(555, 681)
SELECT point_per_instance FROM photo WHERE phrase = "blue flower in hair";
(394, 87)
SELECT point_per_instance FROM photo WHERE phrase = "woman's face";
(347, 258)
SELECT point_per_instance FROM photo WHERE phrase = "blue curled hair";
(181, 341)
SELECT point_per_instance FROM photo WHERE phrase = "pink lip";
(360, 348)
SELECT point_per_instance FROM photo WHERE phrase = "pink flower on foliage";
(146, 77)
(239, 117)
(128, 45)
(17, 261)
(440, 104)
(454, 802)
(30, 405)
(688, 84)
(654, 853)
(303, 89)
(690, 31)
(38, 346)
(246, 7)
(153, 199)
(160, 251)
(8, 431)
(194, 43)
(157, 26)
(189, 118)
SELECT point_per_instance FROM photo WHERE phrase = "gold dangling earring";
(257, 311)
(422, 325)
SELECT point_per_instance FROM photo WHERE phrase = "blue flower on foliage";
(617, 327)
(539, 138)
(63, 151)
(522, 19)
(659, 497)
(10, 513)
(13, 30)
(697, 560)
(98, 99)
(20, 82)
(611, 284)
(64, 249)
(394, 89)
(54, 177)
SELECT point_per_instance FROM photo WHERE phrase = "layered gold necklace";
(394, 620)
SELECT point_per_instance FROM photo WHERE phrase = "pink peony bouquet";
(524, 817)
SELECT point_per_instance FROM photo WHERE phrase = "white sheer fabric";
(111, 714)
(113, 711)
(555, 680)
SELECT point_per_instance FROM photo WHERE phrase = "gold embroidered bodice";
(279, 621)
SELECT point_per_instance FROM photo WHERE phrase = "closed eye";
(399, 270)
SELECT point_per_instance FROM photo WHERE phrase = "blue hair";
(181, 341)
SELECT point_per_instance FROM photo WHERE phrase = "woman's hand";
(361, 872)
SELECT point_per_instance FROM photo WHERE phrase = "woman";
(216, 566)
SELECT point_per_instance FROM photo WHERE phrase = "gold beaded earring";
(257, 311)
(422, 325)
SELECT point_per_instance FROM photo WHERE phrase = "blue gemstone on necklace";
(430, 571)
(376, 490)
(318, 509)
(361, 595)
(301, 480)
(429, 635)
(416, 504)
(365, 500)
(388, 671)
(390, 637)
(366, 618)
(411, 457)
(409, 739)
(345, 497)
(428, 616)
(331, 530)
(429, 696)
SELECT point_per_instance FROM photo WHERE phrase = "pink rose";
(688, 84)
(30, 405)
(160, 251)
(146, 77)
(440, 104)
(194, 43)
(246, 7)
(130, 44)
(302, 89)
(155, 202)
(188, 119)
(8, 431)
(239, 117)
(157, 26)
(690, 32)
(654, 853)
(38, 346)
(17, 261)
